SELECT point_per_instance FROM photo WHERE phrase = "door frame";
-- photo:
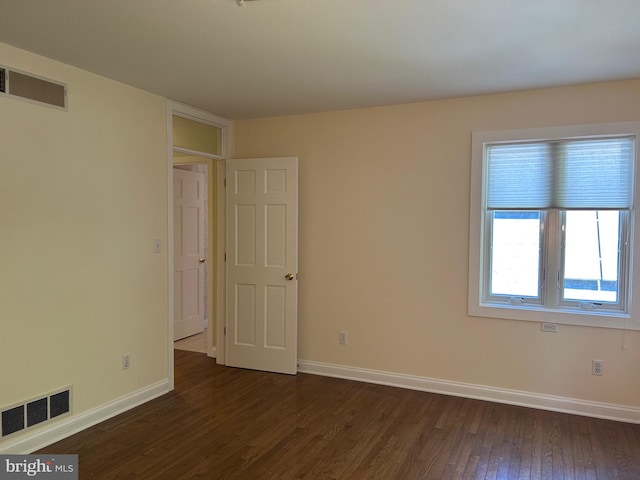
(216, 250)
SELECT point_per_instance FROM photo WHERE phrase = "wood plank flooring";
(224, 423)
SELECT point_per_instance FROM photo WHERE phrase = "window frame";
(479, 303)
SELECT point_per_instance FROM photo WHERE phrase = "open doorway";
(199, 138)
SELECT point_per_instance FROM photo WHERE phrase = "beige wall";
(82, 196)
(384, 242)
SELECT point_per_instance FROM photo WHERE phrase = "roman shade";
(594, 174)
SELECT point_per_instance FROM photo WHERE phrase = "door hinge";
(225, 331)
(225, 257)
(225, 183)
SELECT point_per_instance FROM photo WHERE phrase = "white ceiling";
(275, 57)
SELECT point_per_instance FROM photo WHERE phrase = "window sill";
(532, 313)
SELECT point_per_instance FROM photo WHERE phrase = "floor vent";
(32, 88)
(35, 411)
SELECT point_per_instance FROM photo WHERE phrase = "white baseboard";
(26, 443)
(212, 352)
(575, 406)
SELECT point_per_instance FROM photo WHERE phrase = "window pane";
(197, 136)
(515, 253)
(591, 257)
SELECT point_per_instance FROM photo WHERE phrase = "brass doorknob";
(203, 260)
(289, 276)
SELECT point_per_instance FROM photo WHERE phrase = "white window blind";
(573, 174)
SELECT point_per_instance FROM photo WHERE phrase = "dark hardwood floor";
(238, 424)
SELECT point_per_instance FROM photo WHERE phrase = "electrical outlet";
(126, 361)
(597, 367)
(549, 327)
(342, 337)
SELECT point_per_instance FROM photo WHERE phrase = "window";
(552, 219)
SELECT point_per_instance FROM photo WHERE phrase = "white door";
(262, 264)
(189, 254)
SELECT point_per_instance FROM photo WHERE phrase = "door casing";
(216, 230)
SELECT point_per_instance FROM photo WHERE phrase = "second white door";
(189, 253)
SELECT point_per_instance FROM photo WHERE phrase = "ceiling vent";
(32, 88)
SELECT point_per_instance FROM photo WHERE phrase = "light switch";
(156, 245)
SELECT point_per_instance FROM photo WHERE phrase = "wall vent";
(35, 411)
(32, 88)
